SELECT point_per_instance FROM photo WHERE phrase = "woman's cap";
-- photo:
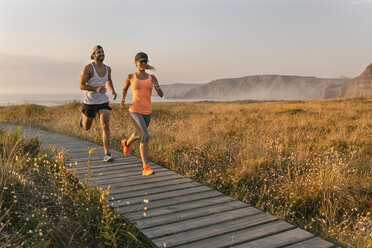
(141, 57)
(94, 49)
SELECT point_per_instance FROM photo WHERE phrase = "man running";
(94, 79)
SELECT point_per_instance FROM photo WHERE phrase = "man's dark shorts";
(91, 110)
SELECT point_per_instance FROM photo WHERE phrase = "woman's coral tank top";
(141, 90)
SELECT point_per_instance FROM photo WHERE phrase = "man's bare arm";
(109, 84)
(85, 75)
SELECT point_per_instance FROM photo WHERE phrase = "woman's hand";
(157, 86)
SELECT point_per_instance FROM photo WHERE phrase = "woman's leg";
(132, 138)
(141, 122)
(144, 149)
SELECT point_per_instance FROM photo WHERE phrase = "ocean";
(60, 99)
(40, 99)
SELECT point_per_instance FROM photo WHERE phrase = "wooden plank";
(76, 148)
(139, 176)
(111, 174)
(139, 180)
(182, 206)
(123, 175)
(214, 230)
(65, 143)
(154, 190)
(96, 158)
(101, 164)
(147, 222)
(159, 196)
(311, 243)
(85, 156)
(279, 240)
(105, 167)
(62, 138)
(126, 207)
(117, 160)
(185, 225)
(83, 149)
(245, 234)
(113, 170)
(149, 186)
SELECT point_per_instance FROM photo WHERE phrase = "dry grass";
(43, 205)
(306, 162)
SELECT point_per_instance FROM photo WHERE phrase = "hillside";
(362, 86)
(275, 87)
(177, 90)
(267, 87)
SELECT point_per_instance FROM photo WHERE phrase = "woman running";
(140, 110)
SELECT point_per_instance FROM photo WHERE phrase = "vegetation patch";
(44, 205)
(310, 163)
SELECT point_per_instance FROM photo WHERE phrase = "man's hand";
(122, 103)
(101, 89)
(115, 95)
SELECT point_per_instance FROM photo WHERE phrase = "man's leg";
(89, 113)
(87, 122)
(104, 116)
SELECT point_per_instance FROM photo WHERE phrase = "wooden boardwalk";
(180, 212)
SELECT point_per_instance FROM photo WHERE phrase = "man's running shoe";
(108, 158)
(126, 149)
(81, 120)
(147, 171)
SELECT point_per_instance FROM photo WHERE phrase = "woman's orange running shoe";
(147, 171)
(126, 149)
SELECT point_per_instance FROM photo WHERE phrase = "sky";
(46, 43)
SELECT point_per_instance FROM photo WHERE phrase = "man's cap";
(141, 57)
(94, 49)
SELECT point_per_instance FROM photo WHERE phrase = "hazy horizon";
(48, 43)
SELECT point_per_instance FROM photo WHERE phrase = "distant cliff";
(274, 87)
(177, 90)
(362, 85)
